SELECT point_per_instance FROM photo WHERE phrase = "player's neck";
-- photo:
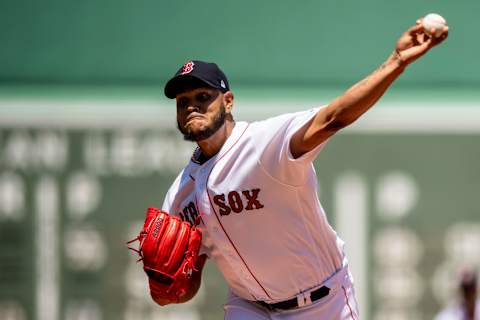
(212, 145)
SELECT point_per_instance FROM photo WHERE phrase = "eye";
(182, 102)
(203, 96)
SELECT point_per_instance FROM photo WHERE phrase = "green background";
(268, 42)
(90, 67)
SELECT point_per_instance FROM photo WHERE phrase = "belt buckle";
(304, 299)
(301, 299)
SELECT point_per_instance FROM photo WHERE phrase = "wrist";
(396, 61)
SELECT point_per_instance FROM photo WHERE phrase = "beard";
(207, 132)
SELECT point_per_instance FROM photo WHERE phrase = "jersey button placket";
(227, 250)
(203, 200)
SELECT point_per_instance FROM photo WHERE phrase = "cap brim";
(173, 85)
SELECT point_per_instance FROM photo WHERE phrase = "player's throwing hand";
(415, 42)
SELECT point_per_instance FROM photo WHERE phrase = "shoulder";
(281, 126)
(285, 118)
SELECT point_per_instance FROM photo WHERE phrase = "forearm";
(362, 96)
(347, 108)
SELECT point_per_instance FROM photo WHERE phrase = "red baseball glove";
(169, 250)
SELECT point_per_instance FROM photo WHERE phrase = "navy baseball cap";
(207, 72)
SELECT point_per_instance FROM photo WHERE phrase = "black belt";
(293, 303)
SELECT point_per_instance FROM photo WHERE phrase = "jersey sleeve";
(272, 143)
(168, 201)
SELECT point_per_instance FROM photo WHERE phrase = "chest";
(234, 183)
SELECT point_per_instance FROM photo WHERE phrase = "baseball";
(434, 21)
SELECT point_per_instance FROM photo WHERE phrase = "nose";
(191, 108)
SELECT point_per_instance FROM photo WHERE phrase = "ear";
(228, 101)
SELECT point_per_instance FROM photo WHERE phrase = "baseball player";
(253, 189)
(468, 305)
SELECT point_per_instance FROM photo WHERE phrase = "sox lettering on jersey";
(236, 202)
(233, 201)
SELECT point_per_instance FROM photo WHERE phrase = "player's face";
(200, 113)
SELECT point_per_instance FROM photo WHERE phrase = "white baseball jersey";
(263, 223)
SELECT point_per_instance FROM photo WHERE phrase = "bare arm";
(362, 96)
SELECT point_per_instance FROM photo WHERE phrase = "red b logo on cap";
(187, 67)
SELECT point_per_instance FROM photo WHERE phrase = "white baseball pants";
(339, 304)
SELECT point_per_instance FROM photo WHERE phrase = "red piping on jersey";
(218, 219)
(200, 214)
(348, 304)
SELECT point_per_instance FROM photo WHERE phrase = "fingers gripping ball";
(434, 24)
(169, 250)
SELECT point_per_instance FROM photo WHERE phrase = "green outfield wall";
(267, 42)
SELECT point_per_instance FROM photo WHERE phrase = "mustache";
(214, 126)
(193, 115)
